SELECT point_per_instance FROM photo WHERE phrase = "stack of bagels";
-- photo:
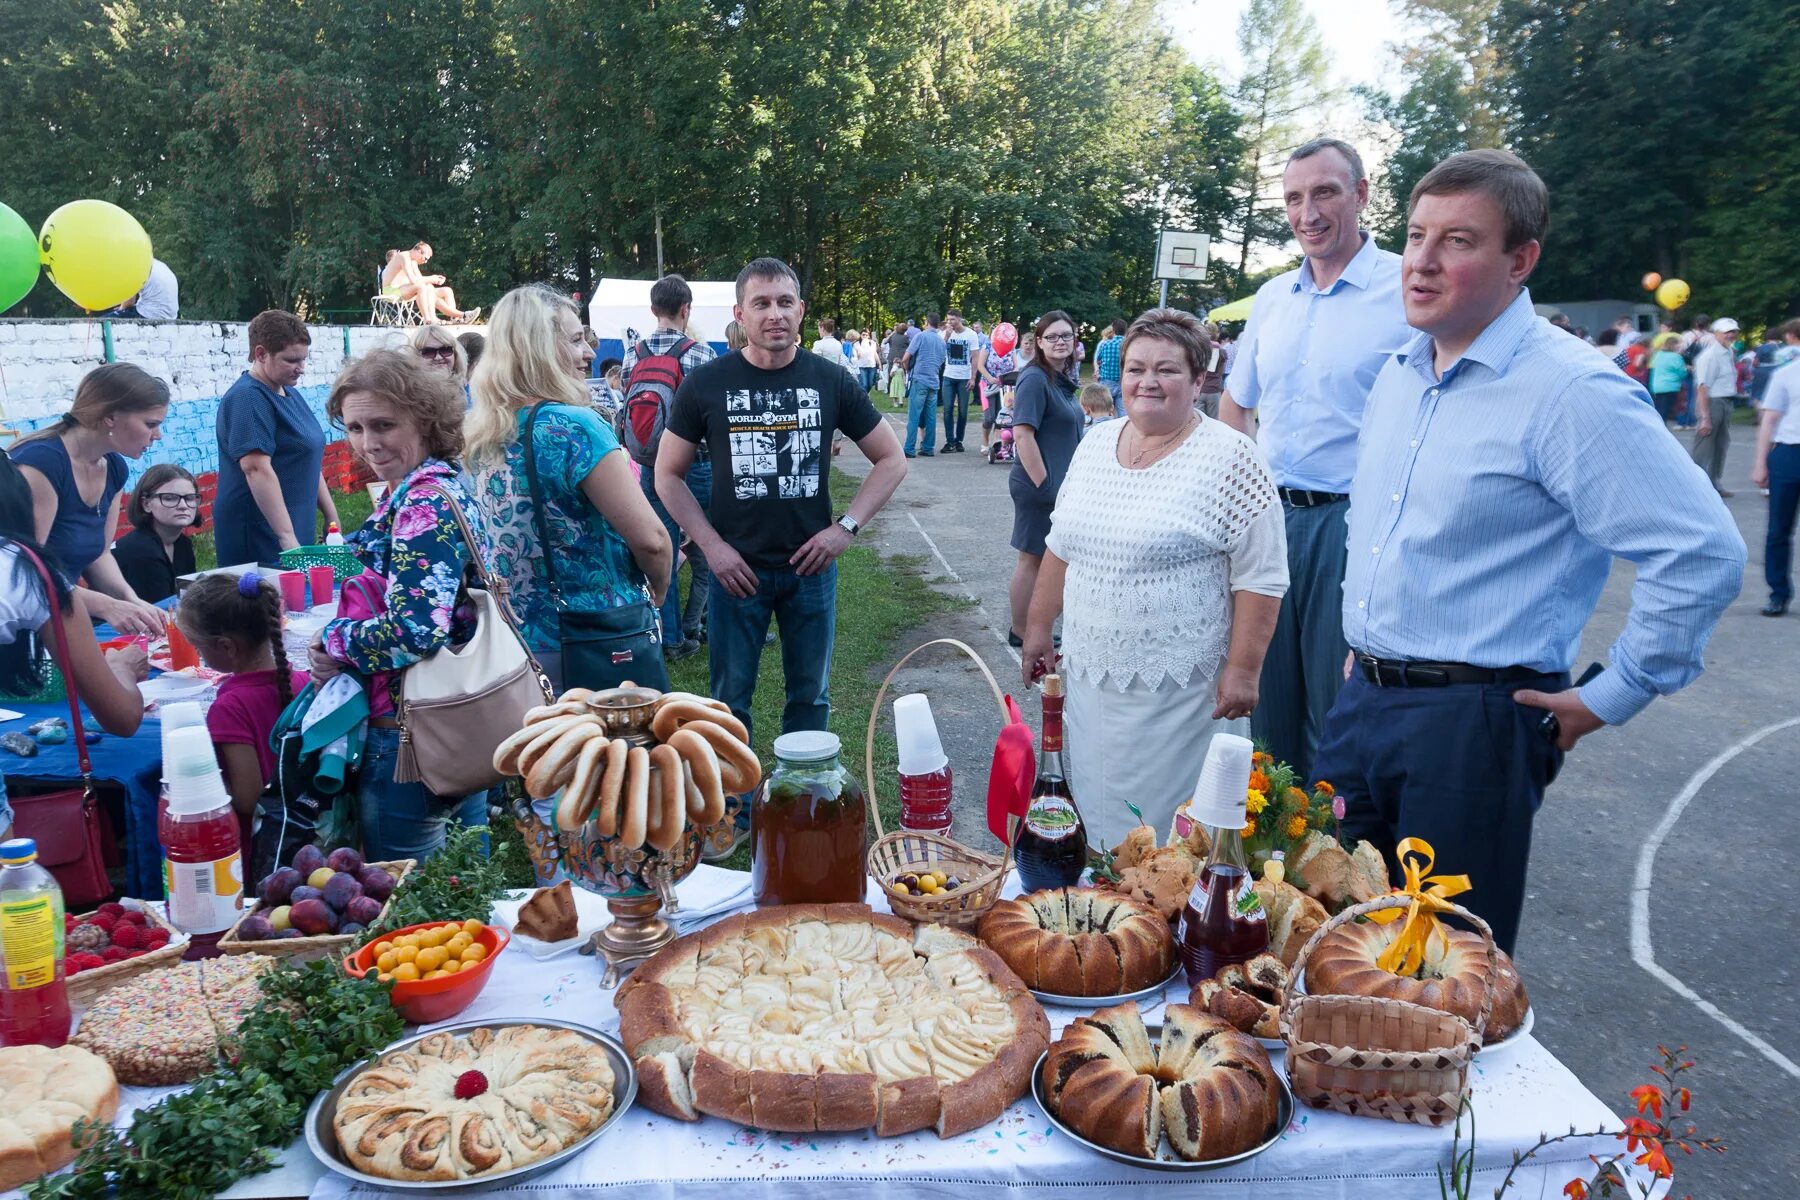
(641, 796)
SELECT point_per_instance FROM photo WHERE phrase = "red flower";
(1575, 1189)
(1657, 1161)
(1682, 1095)
(1649, 1097)
(1637, 1130)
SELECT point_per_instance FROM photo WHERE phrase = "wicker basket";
(343, 563)
(306, 949)
(983, 875)
(86, 987)
(1370, 1056)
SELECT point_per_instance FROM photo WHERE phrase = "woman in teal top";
(610, 550)
(1667, 370)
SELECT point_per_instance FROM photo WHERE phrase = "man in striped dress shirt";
(1502, 466)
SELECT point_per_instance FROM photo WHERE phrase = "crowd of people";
(1368, 532)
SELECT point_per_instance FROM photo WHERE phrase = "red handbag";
(66, 824)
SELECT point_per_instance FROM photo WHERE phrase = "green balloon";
(18, 258)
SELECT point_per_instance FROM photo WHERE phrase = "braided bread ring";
(673, 716)
(739, 770)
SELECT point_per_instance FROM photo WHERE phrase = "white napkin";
(707, 893)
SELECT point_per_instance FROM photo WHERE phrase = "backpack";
(654, 380)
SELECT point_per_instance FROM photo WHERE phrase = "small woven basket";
(982, 874)
(306, 949)
(1370, 1056)
(86, 987)
(343, 563)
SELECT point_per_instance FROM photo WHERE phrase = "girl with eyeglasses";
(158, 550)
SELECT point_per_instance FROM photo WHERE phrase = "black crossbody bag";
(601, 648)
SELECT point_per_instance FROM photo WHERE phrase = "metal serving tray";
(1091, 1002)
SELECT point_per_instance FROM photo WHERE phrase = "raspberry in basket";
(127, 935)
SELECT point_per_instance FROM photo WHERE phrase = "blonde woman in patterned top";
(1167, 560)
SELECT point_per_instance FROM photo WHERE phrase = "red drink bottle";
(203, 866)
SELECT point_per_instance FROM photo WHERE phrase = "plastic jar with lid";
(808, 826)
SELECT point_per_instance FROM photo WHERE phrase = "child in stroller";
(999, 448)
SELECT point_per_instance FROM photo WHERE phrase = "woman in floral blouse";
(610, 548)
(404, 420)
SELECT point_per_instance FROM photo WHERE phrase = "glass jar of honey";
(807, 826)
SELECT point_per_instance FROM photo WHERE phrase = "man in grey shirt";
(1715, 392)
(924, 364)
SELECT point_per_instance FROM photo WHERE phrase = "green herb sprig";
(312, 1023)
(459, 882)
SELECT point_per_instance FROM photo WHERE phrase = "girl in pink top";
(235, 625)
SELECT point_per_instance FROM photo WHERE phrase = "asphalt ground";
(1696, 796)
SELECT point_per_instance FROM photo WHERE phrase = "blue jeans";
(405, 820)
(693, 613)
(921, 413)
(955, 395)
(866, 375)
(1784, 502)
(805, 610)
(1118, 394)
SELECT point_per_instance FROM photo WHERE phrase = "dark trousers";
(1304, 666)
(1463, 767)
(1784, 503)
(805, 609)
(953, 394)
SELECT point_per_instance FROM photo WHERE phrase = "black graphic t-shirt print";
(770, 436)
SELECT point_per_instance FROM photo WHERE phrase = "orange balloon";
(1652, 281)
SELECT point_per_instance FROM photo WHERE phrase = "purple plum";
(304, 892)
(376, 883)
(308, 859)
(351, 927)
(255, 929)
(344, 859)
(278, 889)
(288, 933)
(363, 910)
(313, 917)
(340, 890)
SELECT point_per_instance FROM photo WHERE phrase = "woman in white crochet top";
(1167, 560)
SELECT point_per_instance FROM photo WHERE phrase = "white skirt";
(1144, 745)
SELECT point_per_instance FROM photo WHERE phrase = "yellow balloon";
(95, 253)
(1672, 293)
(1652, 281)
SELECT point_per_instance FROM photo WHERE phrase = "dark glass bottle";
(1051, 846)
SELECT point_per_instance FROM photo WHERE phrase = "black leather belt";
(1300, 499)
(383, 723)
(1394, 672)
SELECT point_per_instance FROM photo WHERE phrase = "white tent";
(620, 309)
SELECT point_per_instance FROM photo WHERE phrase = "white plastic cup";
(191, 777)
(1220, 794)
(921, 750)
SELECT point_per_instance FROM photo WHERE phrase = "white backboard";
(1181, 254)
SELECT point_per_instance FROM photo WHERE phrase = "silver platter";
(1154, 990)
(321, 1138)
(1284, 1116)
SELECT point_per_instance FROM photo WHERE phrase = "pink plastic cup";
(321, 579)
(293, 590)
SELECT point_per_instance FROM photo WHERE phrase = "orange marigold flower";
(1649, 1098)
(1322, 786)
(1296, 826)
(1259, 759)
(1575, 1189)
(1296, 795)
(1249, 830)
(1259, 782)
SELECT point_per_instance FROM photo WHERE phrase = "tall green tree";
(1284, 83)
(1429, 121)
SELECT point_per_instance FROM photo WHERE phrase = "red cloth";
(1013, 772)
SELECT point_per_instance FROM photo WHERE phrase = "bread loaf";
(1345, 963)
(549, 914)
(1209, 1088)
(43, 1092)
(1080, 941)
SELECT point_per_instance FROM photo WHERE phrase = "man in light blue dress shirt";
(1502, 466)
(1316, 338)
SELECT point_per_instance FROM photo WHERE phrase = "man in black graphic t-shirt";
(768, 414)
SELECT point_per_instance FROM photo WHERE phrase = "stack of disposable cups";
(1222, 789)
(298, 632)
(921, 750)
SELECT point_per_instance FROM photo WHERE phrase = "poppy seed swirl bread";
(1080, 941)
(1344, 964)
(1209, 1088)
(830, 1017)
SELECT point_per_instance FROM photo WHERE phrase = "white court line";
(1641, 951)
(951, 571)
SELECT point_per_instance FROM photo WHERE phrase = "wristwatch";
(848, 524)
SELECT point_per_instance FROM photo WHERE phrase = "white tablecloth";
(1517, 1092)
